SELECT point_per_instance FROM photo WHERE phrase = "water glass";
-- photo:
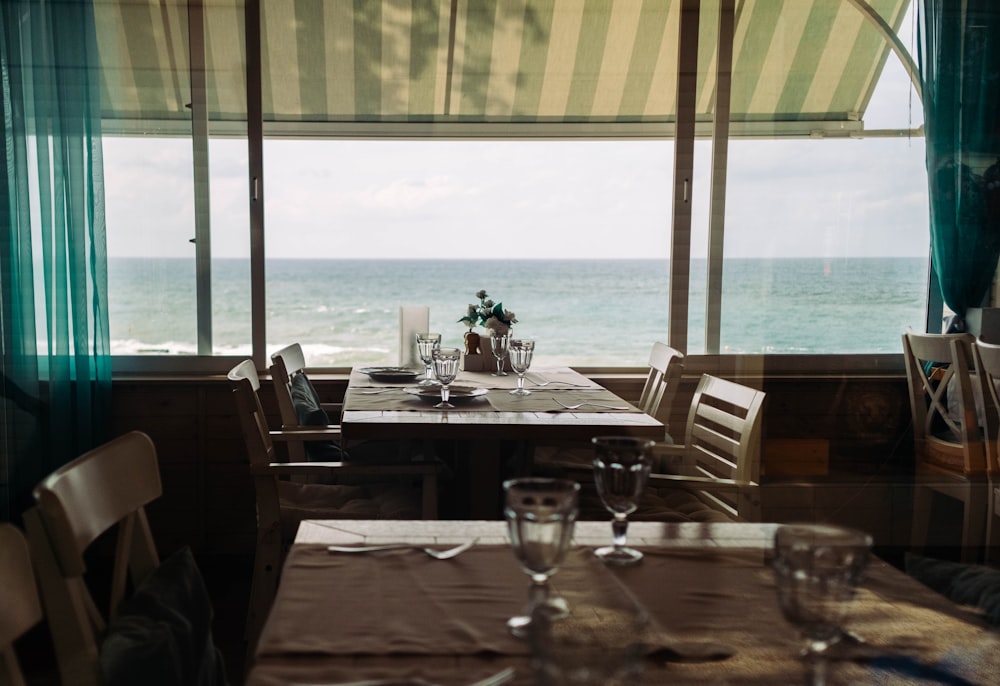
(540, 515)
(445, 362)
(499, 344)
(621, 470)
(520, 350)
(817, 569)
(427, 343)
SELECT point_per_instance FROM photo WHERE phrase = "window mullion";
(720, 164)
(680, 249)
(202, 203)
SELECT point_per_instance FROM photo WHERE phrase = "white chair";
(19, 603)
(949, 451)
(300, 407)
(715, 474)
(166, 606)
(282, 503)
(659, 390)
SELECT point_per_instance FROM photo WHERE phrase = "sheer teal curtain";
(53, 262)
(959, 56)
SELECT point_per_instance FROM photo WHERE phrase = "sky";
(506, 199)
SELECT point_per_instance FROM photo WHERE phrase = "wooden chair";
(715, 474)
(152, 609)
(950, 453)
(659, 390)
(986, 358)
(19, 604)
(282, 504)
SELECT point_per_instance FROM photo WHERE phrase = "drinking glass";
(520, 350)
(621, 470)
(446, 369)
(540, 515)
(498, 343)
(817, 569)
(426, 344)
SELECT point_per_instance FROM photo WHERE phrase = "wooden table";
(482, 427)
(343, 618)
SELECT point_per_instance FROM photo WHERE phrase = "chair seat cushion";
(162, 635)
(676, 505)
(965, 584)
(340, 501)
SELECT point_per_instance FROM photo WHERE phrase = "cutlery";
(433, 552)
(579, 405)
(501, 677)
(381, 390)
(545, 382)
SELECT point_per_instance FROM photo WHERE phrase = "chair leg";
(429, 494)
(974, 523)
(263, 586)
(922, 501)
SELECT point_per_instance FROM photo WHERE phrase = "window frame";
(684, 132)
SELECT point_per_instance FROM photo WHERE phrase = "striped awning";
(490, 67)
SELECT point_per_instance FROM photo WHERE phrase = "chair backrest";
(253, 421)
(286, 365)
(104, 488)
(986, 357)
(19, 604)
(942, 400)
(723, 438)
(665, 367)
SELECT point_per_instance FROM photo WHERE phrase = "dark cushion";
(310, 412)
(965, 584)
(163, 633)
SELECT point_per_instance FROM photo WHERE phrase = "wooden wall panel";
(208, 495)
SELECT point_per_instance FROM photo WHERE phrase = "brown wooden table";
(481, 427)
(401, 615)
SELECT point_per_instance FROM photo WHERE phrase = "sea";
(580, 312)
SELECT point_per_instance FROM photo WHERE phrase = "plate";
(455, 392)
(389, 373)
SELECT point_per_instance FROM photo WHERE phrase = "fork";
(433, 552)
(546, 382)
(381, 390)
(579, 405)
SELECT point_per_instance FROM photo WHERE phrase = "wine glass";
(621, 470)
(498, 343)
(520, 350)
(540, 515)
(426, 344)
(817, 569)
(446, 369)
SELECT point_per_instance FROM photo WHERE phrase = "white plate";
(455, 392)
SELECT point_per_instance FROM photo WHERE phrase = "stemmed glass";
(498, 343)
(621, 470)
(446, 369)
(426, 344)
(540, 516)
(520, 350)
(817, 569)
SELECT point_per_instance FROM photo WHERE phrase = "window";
(383, 188)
